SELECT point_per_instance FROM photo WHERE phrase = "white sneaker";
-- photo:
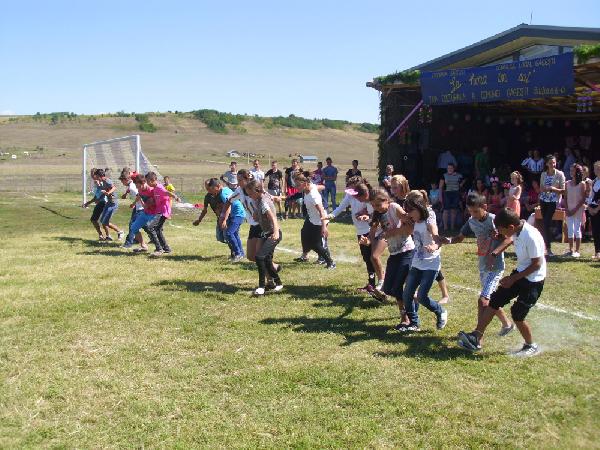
(278, 288)
(527, 350)
(575, 255)
(261, 291)
(120, 235)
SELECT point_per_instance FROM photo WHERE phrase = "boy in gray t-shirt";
(490, 250)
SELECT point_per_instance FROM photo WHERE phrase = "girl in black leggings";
(594, 210)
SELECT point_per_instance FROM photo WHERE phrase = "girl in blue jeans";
(426, 263)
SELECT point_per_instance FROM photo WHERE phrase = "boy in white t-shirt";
(525, 283)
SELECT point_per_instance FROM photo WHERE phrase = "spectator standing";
(274, 180)
(450, 185)
(230, 177)
(386, 180)
(569, 161)
(593, 203)
(257, 174)
(317, 175)
(330, 174)
(535, 165)
(552, 184)
(482, 165)
(354, 171)
(444, 159)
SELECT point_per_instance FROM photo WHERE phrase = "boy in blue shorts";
(490, 251)
(525, 283)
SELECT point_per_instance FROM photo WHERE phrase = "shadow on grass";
(79, 240)
(198, 286)
(426, 344)
(57, 213)
(330, 296)
(109, 252)
(193, 257)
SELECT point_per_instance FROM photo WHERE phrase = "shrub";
(366, 127)
(147, 126)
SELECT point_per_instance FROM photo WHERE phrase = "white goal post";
(114, 154)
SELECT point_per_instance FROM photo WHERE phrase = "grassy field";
(100, 348)
(182, 148)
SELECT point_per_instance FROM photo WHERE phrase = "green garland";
(586, 52)
(406, 77)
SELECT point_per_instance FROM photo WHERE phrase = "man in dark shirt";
(274, 180)
(354, 172)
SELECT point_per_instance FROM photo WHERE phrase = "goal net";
(114, 154)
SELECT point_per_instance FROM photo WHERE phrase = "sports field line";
(539, 305)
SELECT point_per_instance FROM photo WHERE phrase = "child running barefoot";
(490, 251)
(270, 237)
(426, 263)
(108, 188)
(357, 198)
(396, 231)
(314, 231)
(575, 196)
(163, 209)
(100, 201)
(525, 283)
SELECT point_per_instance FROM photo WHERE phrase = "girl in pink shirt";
(162, 206)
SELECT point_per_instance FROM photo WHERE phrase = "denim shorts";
(451, 199)
(107, 213)
(489, 282)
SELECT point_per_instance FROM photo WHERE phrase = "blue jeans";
(330, 190)
(107, 213)
(232, 234)
(141, 220)
(423, 279)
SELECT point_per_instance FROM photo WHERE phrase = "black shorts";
(255, 232)
(275, 192)
(526, 292)
(97, 212)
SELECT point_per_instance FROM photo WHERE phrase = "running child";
(163, 212)
(216, 205)
(132, 192)
(426, 263)
(396, 231)
(100, 200)
(241, 193)
(575, 190)
(270, 236)
(525, 283)
(108, 188)
(231, 219)
(314, 231)
(145, 197)
(421, 196)
(357, 198)
(490, 249)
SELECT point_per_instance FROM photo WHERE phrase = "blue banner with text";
(533, 78)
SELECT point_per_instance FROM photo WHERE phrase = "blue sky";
(309, 58)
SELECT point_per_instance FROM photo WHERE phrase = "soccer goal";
(114, 154)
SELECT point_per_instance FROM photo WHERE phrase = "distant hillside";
(48, 146)
(219, 122)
